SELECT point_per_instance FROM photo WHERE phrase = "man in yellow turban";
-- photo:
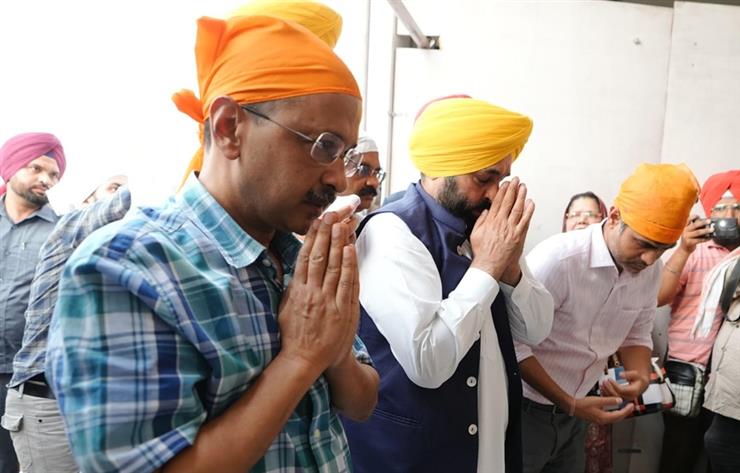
(201, 335)
(443, 292)
(604, 280)
(316, 17)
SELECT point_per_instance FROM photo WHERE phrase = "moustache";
(369, 191)
(321, 199)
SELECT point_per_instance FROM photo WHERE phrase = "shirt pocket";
(21, 259)
(618, 326)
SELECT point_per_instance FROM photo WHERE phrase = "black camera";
(725, 230)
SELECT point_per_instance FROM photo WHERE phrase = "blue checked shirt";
(66, 236)
(163, 321)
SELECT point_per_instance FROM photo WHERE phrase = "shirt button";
(472, 429)
(472, 381)
(317, 433)
(267, 262)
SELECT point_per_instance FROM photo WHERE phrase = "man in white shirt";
(444, 290)
(604, 283)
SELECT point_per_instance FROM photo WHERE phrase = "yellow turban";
(256, 59)
(455, 136)
(316, 17)
(655, 201)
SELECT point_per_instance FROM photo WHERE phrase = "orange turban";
(257, 59)
(716, 186)
(655, 201)
(318, 18)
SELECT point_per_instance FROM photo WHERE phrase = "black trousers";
(683, 441)
(722, 442)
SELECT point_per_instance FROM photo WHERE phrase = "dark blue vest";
(414, 429)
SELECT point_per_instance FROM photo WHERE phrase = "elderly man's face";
(284, 184)
(32, 182)
(727, 207)
(365, 184)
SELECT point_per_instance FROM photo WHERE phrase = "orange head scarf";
(716, 186)
(320, 19)
(655, 201)
(257, 59)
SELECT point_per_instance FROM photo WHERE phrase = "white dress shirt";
(597, 309)
(401, 290)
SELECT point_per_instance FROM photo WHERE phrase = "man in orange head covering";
(321, 20)
(683, 277)
(444, 293)
(604, 282)
(204, 322)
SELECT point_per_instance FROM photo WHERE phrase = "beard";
(458, 205)
(29, 196)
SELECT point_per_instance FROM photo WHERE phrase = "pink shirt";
(681, 344)
(597, 309)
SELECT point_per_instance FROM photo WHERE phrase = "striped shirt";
(163, 321)
(685, 307)
(597, 309)
(56, 250)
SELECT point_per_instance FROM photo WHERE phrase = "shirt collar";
(45, 212)
(600, 256)
(236, 246)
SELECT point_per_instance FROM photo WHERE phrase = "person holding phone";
(604, 280)
(681, 286)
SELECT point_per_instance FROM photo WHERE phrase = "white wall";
(702, 124)
(100, 75)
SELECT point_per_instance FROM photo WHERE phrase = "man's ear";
(614, 217)
(227, 119)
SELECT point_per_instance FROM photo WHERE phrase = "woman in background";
(583, 209)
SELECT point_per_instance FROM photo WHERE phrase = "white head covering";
(365, 144)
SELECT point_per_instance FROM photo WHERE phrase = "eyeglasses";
(325, 149)
(722, 207)
(583, 213)
(365, 170)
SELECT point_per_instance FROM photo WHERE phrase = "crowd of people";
(240, 326)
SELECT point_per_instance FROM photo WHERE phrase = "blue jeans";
(8, 460)
(722, 442)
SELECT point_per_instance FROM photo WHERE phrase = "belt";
(35, 388)
(551, 408)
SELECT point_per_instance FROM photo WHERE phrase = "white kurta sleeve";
(401, 290)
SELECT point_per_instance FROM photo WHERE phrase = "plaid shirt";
(163, 321)
(66, 236)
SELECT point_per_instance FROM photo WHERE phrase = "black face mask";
(726, 231)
